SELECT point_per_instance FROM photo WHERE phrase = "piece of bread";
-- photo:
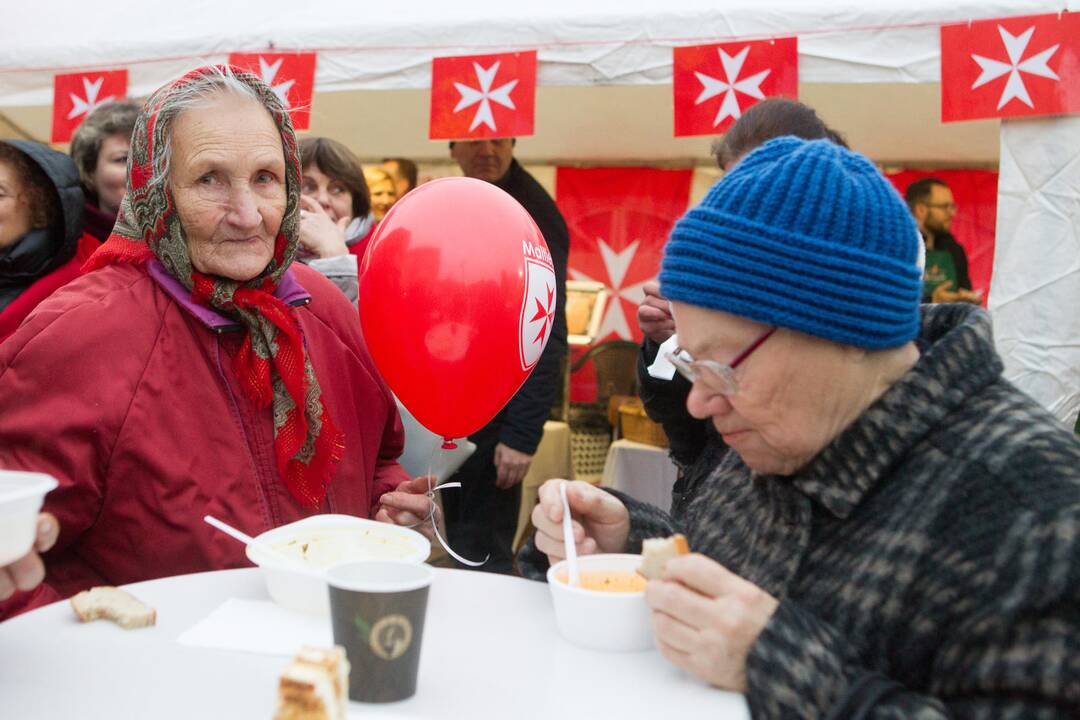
(314, 686)
(657, 551)
(114, 604)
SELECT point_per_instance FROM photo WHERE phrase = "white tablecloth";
(491, 650)
(643, 472)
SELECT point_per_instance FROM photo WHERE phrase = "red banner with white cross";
(714, 84)
(1011, 67)
(619, 220)
(75, 95)
(290, 75)
(483, 96)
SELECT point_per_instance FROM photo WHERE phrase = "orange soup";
(615, 581)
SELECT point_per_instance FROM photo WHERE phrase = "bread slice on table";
(657, 551)
(314, 686)
(114, 604)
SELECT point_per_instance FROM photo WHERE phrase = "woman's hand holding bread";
(706, 618)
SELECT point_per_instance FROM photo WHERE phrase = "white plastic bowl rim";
(420, 544)
(613, 562)
(25, 485)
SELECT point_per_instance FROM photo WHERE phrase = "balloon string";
(432, 518)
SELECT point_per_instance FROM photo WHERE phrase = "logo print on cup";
(390, 636)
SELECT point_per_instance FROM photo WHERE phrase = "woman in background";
(336, 221)
(383, 191)
(41, 221)
(99, 148)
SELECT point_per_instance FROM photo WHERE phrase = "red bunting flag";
(619, 220)
(483, 96)
(1011, 67)
(75, 95)
(290, 75)
(715, 84)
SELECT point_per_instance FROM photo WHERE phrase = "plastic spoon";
(568, 537)
(291, 563)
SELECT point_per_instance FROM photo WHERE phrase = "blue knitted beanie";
(804, 235)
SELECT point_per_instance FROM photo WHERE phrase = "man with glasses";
(931, 203)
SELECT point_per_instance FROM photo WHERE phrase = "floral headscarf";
(272, 362)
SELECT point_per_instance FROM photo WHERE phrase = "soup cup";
(601, 619)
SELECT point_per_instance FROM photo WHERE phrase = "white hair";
(199, 91)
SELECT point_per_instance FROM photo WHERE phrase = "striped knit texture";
(804, 235)
(927, 561)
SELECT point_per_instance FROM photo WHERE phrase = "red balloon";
(457, 299)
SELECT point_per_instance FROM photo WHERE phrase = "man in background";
(946, 279)
(403, 171)
(481, 519)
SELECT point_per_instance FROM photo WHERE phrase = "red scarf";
(272, 363)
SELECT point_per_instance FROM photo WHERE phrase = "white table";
(491, 650)
(644, 472)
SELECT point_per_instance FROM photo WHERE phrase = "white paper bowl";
(21, 497)
(615, 622)
(373, 541)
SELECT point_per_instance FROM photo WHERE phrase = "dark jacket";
(927, 561)
(42, 251)
(945, 241)
(520, 424)
(665, 403)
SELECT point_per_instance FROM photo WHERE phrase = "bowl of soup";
(607, 610)
(321, 542)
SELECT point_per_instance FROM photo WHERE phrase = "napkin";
(258, 626)
(662, 369)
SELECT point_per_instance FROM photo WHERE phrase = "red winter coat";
(123, 390)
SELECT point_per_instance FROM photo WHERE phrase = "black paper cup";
(378, 611)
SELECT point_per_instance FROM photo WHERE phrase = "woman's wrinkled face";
(15, 215)
(332, 194)
(228, 182)
(109, 180)
(792, 397)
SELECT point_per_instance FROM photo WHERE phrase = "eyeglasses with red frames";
(718, 376)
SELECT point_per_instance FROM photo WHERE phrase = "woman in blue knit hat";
(894, 529)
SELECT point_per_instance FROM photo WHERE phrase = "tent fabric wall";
(389, 46)
(1035, 292)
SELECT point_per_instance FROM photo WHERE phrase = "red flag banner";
(975, 222)
(483, 96)
(290, 75)
(1011, 67)
(714, 84)
(619, 220)
(75, 95)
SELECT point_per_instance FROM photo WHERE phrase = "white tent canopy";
(604, 66)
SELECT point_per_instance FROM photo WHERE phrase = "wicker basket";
(635, 425)
(590, 437)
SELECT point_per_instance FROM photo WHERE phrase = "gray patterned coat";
(927, 562)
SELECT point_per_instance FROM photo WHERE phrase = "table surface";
(644, 472)
(491, 650)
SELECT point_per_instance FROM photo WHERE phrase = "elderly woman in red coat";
(196, 369)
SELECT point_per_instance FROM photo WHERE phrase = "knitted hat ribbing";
(804, 235)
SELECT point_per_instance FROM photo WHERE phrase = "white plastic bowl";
(373, 541)
(21, 497)
(615, 622)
